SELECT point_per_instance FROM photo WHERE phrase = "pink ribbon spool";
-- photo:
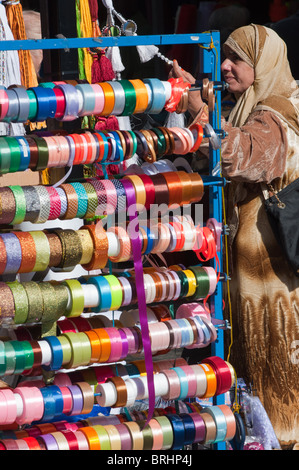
(191, 310)
(4, 104)
(216, 228)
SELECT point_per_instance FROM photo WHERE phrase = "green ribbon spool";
(77, 298)
(130, 97)
(32, 105)
(43, 152)
(85, 348)
(15, 154)
(103, 437)
(62, 297)
(10, 358)
(29, 354)
(148, 439)
(135, 143)
(202, 282)
(161, 141)
(50, 302)
(19, 355)
(5, 156)
(21, 302)
(2, 358)
(42, 250)
(184, 283)
(66, 350)
(71, 247)
(35, 301)
(81, 349)
(116, 292)
(167, 431)
(20, 200)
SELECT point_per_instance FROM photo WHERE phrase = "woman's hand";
(177, 72)
(195, 102)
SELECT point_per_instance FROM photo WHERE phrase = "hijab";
(274, 87)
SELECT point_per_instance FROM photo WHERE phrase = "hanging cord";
(227, 282)
(236, 407)
(213, 48)
(226, 261)
(84, 30)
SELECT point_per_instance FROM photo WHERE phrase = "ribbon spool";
(66, 101)
(208, 93)
(103, 293)
(216, 228)
(80, 343)
(169, 429)
(98, 147)
(214, 139)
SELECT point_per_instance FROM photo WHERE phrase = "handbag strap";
(266, 187)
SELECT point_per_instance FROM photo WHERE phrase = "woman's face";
(236, 73)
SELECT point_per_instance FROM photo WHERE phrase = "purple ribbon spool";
(77, 400)
(50, 441)
(71, 102)
(14, 253)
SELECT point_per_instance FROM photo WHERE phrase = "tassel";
(146, 53)
(110, 170)
(101, 70)
(109, 123)
(113, 54)
(94, 10)
(96, 74)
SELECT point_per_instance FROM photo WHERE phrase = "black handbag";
(283, 213)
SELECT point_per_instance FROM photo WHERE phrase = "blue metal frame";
(210, 65)
(75, 43)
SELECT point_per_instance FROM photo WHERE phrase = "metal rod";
(120, 41)
(218, 86)
(220, 132)
(213, 180)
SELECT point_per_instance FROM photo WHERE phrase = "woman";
(262, 147)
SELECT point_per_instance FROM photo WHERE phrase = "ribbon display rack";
(103, 386)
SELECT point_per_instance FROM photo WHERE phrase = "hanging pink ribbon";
(133, 231)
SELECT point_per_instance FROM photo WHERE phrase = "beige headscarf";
(274, 87)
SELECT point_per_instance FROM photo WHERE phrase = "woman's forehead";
(231, 54)
(228, 51)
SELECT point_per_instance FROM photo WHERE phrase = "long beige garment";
(264, 292)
